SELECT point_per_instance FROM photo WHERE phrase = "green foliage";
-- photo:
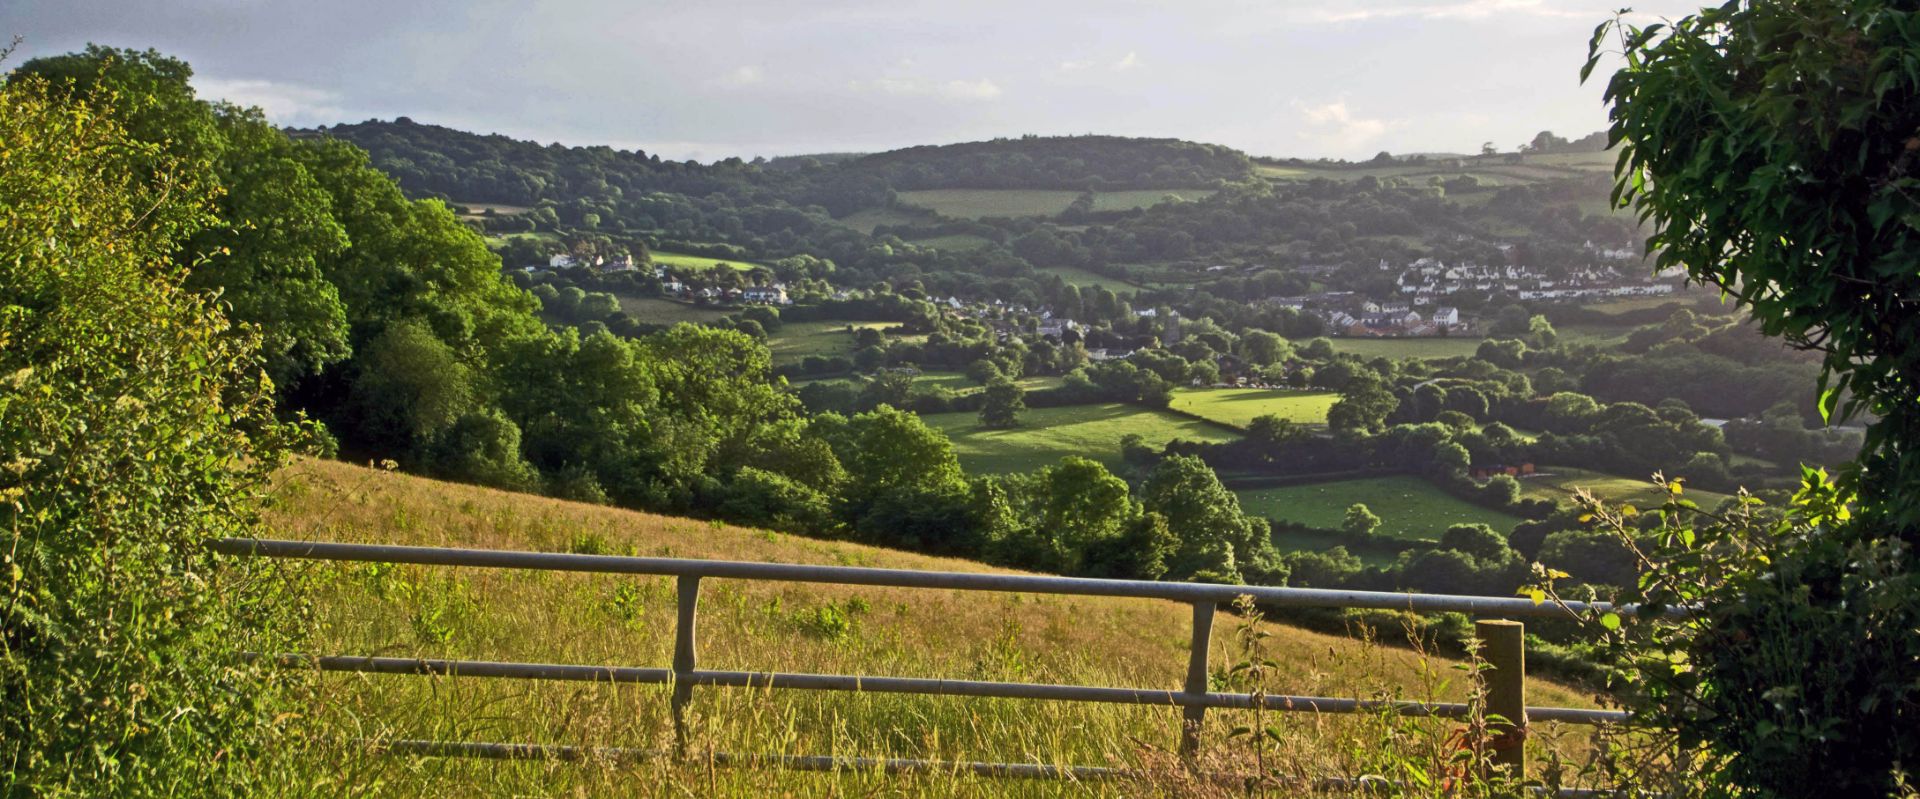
(1772, 147)
(1359, 522)
(1217, 539)
(134, 427)
(1003, 402)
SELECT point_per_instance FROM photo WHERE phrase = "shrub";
(135, 426)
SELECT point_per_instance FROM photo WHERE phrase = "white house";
(766, 295)
(1446, 315)
(561, 261)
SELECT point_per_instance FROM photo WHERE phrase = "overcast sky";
(707, 79)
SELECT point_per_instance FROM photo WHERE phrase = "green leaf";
(1610, 620)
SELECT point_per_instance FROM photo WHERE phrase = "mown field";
(659, 311)
(1082, 278)
(1046, 435)
(797, 340)
(980, 203)
(1237, 407)
(1408, 506)
(698, 263)
(1560, 483)
(1435, 347)
(955, 382)
(508, 615)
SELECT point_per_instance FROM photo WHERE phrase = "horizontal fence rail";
(1506, 680)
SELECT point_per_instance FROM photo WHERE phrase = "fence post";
(1193, 715)
(683, 659)
(1503, 646)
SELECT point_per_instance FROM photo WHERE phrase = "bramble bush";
(134, 427)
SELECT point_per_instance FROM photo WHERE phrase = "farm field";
(1237, 407)
(866, 219)
(1408, 506)
(1435, 347)
(510, 615)
(963, 241)
(956, 382)
(797, 340)
(1559, 483)
(980, 203)
(480, 209)
(659, 311)
(697, 262)
(1046, 435)
(501, 239)
(1075, 276)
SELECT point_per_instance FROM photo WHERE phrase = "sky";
(709, 79)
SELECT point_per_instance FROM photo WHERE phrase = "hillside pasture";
(698, 263)
(797, 340)
(1560, 482)
(579, 618)
(1046, 435)
(1397, 348)
(1408, 507)
(1082, 278)
(955, 242)
(982, 203)
(1237, 407)
(662, 311)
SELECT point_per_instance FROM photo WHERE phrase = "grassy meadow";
(1046, 435)
(797, 340)
(1433, 347)
(981, 203)
(507, 615)
(1408, 506)
(1237, 407)
(697, 263)
(1560, 483)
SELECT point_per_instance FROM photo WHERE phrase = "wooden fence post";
(683, 657)
(1193, 715)
(1503, 647)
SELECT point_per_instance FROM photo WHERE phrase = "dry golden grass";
(406, 611)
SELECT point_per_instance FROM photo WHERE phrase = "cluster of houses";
(775, 294)
(1430, 278)
(1353, 314)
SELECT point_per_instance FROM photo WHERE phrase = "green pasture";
(797, 340)
(1408, 507)
(1237, 407)
(981, 203)
(1560, 482)
(1046, 435)
(698, 263)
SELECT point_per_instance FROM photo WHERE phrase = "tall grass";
(407, 611)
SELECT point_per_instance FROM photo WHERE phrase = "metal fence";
(1502, 647)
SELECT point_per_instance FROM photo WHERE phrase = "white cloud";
(1335, 126)
(1131, 60)
(1459, 9)
(284, 103)
(745, 75)
(982, 89)
(1075, 66)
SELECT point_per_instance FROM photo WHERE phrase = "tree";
(1002, 403)
(1364, 405)
(1217, 539)
(1360, 521)
(1771, 148)
(1262, 348)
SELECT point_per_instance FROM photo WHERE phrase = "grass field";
(1237, 407)
(499, 209)
(960, 241)
(797, 340)
(980, 203)
(1082, 278)
(1559, 483)
(655, 310)
(1408, 507)
(555, 617)
(1046, 435)
(956, 382)
(678, 260)
(1406, 347)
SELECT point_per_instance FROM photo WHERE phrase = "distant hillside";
(432, 160)
(1059, 162)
